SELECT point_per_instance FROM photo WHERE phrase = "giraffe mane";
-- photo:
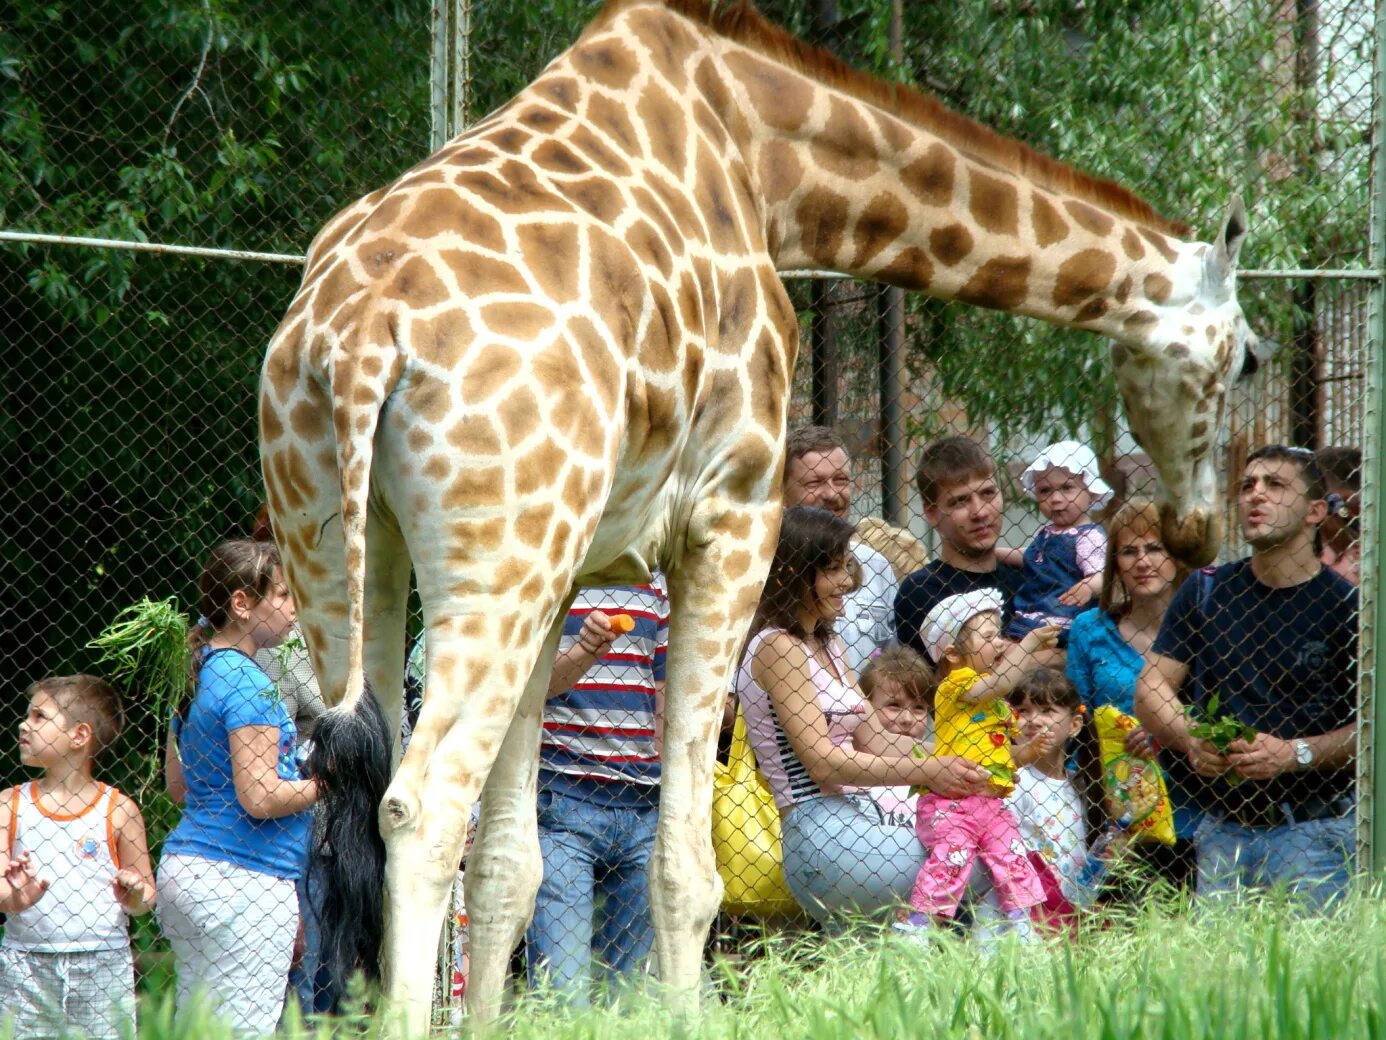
(740, 22)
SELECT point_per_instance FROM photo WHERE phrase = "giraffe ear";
(1222, 263)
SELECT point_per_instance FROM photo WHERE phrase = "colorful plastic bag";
(1135, 786)
(746, 837)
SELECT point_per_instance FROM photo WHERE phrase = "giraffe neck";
(852, 188)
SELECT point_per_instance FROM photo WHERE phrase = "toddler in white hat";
(1063, 564)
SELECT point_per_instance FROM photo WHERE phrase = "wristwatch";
(1304, 754)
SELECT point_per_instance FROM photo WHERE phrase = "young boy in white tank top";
(73, 863)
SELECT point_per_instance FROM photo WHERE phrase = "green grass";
(1254, 970)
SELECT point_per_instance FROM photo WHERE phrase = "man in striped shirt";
(599, 789)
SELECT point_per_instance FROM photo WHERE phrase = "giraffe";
(558, 352)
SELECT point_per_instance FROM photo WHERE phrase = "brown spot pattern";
(1160, 243)
(663, 121)
(611, 117)
(1088, 218)
(994, 202)
(1085, 274)
(911, 269)
(1049, 224)
(1001, 283)
(416, 284)
(930, 177)
(781, 100)
(1157, 288)
(883, 221)
(601, 154)
(517, 319)
(439, 210)
(548, 251)
(950, 244)
(597, 196)
(845, 145)
(557, 157)
(478, 275)
(822, 219)
(779, 171)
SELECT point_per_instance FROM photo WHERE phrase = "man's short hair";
(1342, 465)
(950, 461)
(89, 699)
(1301, 457)
(805, 439)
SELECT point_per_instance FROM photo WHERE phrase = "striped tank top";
(77, 855)
(843, 708)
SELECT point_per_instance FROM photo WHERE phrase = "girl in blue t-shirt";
(226, 877)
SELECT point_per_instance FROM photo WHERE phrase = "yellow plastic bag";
(746, 837)
(1135, 787)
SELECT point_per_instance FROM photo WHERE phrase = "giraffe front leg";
(420, 864)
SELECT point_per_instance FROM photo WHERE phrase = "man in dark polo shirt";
(1275, 637)
(962, 502)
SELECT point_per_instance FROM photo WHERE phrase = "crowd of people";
(993, 742)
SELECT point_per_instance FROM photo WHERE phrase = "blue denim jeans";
(841, 856)
(593, 904)
(1312, 859)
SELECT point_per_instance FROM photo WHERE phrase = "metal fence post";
(449, 72)
(1371, 759)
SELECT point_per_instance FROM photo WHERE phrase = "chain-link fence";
(130, 449)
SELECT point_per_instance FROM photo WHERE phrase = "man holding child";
(963, 504)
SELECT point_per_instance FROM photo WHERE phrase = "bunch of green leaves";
(1219, 730)
(145, 651)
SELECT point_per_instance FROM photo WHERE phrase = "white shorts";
(56, 994)
(232, 933)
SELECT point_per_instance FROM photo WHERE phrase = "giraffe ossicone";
(558, 351)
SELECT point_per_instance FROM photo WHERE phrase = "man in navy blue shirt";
(1274, 636)
(962, 502)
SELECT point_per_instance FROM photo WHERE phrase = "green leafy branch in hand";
(1219, 730)
(145, 651)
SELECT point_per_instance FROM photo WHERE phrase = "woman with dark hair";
(801, 704)
(1107, 646)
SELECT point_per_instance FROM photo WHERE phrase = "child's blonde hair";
(85, 699)
(904, 666)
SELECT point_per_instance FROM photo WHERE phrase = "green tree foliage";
(127, 433)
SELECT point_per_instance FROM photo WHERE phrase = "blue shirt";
(1283, 660)
(232, 693)
(1102, 665)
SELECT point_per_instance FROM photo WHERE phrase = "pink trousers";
(954, 832)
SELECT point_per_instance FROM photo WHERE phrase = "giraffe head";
(1174, 365)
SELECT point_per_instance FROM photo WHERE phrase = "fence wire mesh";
(129, 435)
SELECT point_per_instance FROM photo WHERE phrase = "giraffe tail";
(353, 748)
(346, 870)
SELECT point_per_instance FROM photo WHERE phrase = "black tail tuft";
(351, 761)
